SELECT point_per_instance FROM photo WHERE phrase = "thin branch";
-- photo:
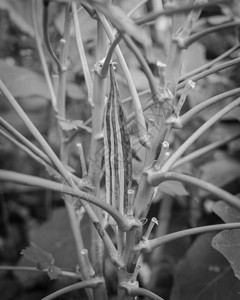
(196, 36)
(33, 269)
(189, 115)
(209, 64)
(59, 187)
(179, 152)
(145, 293)
(134, 95)
(151, 80)
(151, 17)
(204, 150)
(42, 56)
(46, 36)
(92, 283)
(82, 55)
(154, 179)
(203, 74)
(22, 140)
(150, 245)
(48, 150)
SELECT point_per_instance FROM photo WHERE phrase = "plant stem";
(140, 120)
(209, 64)
(122, 222)
(48, 150)
(151, 80)
(195, 37)
(42, 56)
(32, 269)
(152, 244)
(203, 74)
(178, 153)
(189, 115)
(81, 51)
(19, 137)
(155, 179)
(151, 17)
(92, 283)
(143, 292)
(204, 150)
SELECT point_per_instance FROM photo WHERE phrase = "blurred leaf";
(19, 13)
(22, 82)
(120, 20)
(174, 188)
(227, 242)
(204, 274)
(227, 213)
(139, 79)
(44, 261)
(190, 63)
(74, 91)
(220, 172)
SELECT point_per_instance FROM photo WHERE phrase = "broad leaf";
(204, 274)
(227, 213)
(227, 242)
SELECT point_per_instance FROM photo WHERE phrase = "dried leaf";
(44, 261)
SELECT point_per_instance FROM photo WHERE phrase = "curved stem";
(154, 179)
(218, 68)
(144, 292)
(81, 51)
(209, 64)
(204, 150)
(92, 283)
(196, 36)
(134, 95)
(42, 56)
(46, 36)
(178, 153)
(48, 150)
(59, 187)
(32, 269)
(189, 115)
(144, 65)
(150, 245)
(172, 11)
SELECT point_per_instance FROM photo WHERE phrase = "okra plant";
(142, 127)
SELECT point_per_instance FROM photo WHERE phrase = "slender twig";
(173, 11)
(82, 55)
(150, 245)
(143, 292)
(42, 56)
(46, 36)
(155, 179)
(178, 153)
(196, 36)
(92, 283)
(134, 96)
(136, 7)
(22, 140)
(151, 80)
(218, 68)
(33, 269)
(48, 150)
(189, 115)
(204, 150)
(209, 64)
